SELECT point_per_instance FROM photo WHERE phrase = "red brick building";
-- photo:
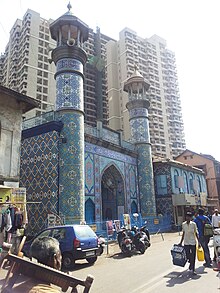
(211, 167)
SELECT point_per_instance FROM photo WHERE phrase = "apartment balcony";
(186, 199)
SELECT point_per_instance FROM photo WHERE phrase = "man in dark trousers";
(200, 220)
(189, 236)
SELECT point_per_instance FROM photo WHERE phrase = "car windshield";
(84, 231)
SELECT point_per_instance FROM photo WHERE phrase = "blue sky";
(191, 28)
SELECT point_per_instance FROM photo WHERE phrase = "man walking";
(216, 219)
(189, 236)
(200, 220)
(215, 225)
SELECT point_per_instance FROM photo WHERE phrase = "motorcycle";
(131, 240)
(124, 241)
(101, 243)
(146, 236)
(138, 239)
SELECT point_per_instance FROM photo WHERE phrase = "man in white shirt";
(189, 236)
(216, 219)
(215, 224)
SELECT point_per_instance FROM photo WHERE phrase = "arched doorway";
(112, 190)
(89, 211)
(134, 208)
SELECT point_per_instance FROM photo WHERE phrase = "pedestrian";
(216, 219)
(189, 236)
(200, 220)
(46, 251)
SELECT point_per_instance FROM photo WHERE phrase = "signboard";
(117, 225)
(109, 227)
(156, 221)
(18, 195)
(127, 221)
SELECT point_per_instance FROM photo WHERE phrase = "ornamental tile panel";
(39, 175)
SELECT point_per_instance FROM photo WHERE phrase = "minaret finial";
(69, 6)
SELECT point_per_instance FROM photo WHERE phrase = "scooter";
(126, 244)
(138, 240)
(101, 243)
(146, 235)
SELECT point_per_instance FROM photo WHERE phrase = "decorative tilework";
(71, 171)
(106, 162)
(165, 207)
(111, 136)
(94, 149)
(39, 174)
(138, 112)
(69, 91)
(163, 169)
(89, 173)
(97, 189)
(140, 130)
(132, 182)
(146, 183)
(67, 63)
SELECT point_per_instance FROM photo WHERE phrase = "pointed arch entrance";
(113, 195)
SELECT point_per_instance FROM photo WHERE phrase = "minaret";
(136, 87)
(69, 57)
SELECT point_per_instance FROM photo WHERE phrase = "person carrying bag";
(203, 223)
(200, 253)
(189, 236)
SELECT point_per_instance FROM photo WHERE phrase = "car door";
(61, 235)
(27, 245)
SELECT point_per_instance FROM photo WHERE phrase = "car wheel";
(92, 260)
(67, 261)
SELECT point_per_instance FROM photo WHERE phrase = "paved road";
(152, 272)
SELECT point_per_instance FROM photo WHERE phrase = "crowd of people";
(193, 234)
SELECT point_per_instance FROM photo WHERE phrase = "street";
(152, 272)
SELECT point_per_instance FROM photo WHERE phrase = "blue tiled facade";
(43, 168)
(146, 181)
(39, 173)
(69, 86)
(71, 167)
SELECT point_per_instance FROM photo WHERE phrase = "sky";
(191, 29)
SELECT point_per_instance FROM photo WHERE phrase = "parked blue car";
(76, 242)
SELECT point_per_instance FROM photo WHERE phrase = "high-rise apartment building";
(157, 64)
(95, 85)
(26, 68)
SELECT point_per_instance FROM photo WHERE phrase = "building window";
(199, 184)
(191, 187)
(161, 184)
(186, 186)
(176, 175)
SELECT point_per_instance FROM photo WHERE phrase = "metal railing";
(38, 120)
(103, 133)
